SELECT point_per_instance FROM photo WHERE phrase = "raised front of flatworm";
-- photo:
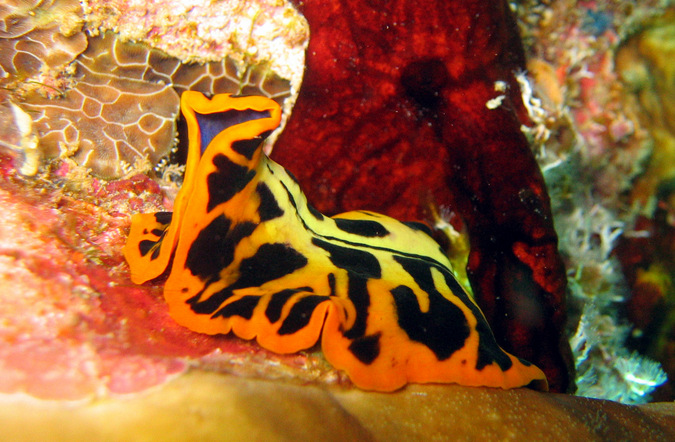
(251, 256)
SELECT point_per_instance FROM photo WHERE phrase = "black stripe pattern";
(263, 262)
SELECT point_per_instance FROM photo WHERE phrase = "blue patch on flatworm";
(211, 125)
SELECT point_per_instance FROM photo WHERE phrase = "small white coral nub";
(605, 369)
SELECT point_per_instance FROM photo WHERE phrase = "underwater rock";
(210, 406)
(403, 111)
(648, 259)
(592, 144)
(94, 333)
(55, 341)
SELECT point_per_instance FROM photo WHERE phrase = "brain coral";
(113, 109)
(122, 110)
(38, 33)
(120, 113)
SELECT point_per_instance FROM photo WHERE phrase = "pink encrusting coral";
(73, 326)
(57, 341)
(111, 105)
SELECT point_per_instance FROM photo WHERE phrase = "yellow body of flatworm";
(250, 255)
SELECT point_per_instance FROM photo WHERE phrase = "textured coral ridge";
(72, 329)
(399, 108)
(118, 113)
(122, 110)
(38, 33)
(113, 109)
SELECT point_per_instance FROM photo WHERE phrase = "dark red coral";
(392, 115)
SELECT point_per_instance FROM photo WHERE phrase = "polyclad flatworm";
(249, 255)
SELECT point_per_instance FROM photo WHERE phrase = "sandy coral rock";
(657, 46)
(208, 406)
(250, 32)
(644, 63)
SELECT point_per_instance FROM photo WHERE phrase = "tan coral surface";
(209, 406)
(101, 80)
(204, 30)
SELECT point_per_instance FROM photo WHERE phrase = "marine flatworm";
(248, 254)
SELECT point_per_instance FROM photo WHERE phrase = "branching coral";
(605, 369)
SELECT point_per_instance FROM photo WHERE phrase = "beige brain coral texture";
(38, 34)
(107, 103)
(119, 114)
